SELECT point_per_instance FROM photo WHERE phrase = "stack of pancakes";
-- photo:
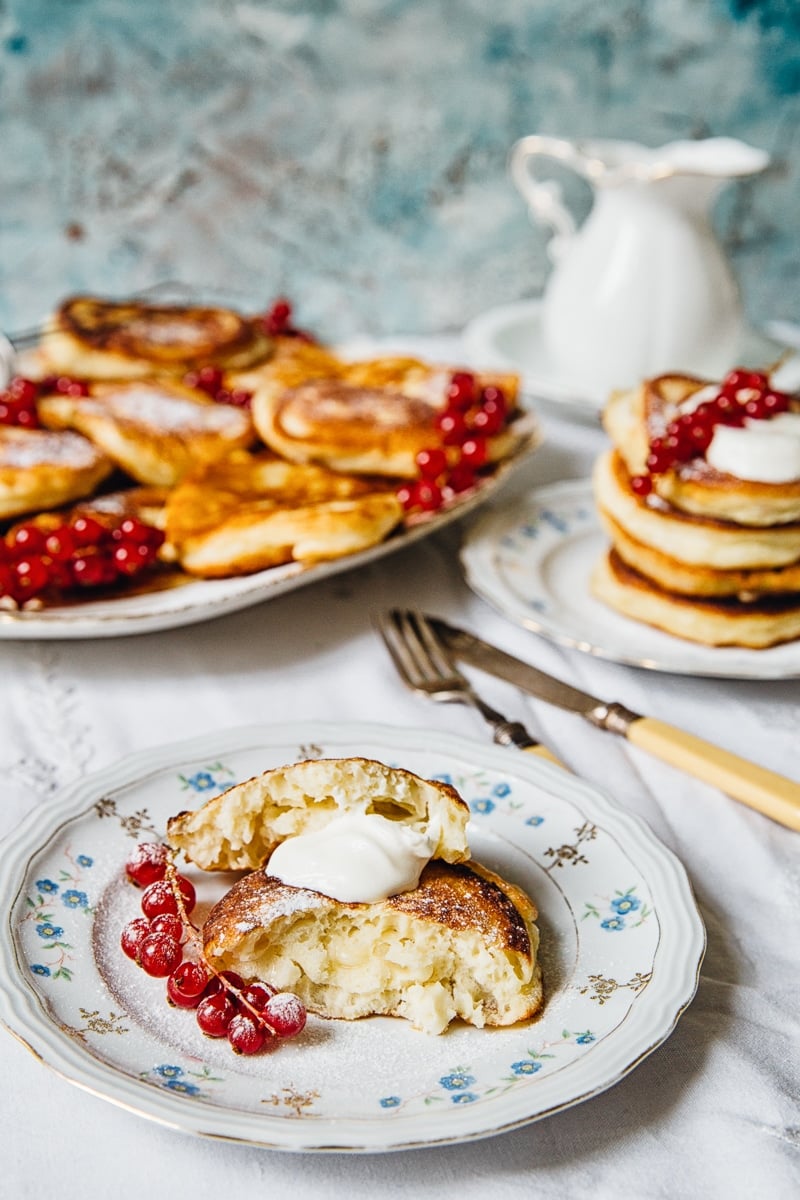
(703, 555)
(311, 473)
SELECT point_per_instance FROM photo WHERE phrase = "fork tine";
(403, 660)
(437, 658)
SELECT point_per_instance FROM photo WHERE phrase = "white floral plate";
(622, 944)
(532, 562)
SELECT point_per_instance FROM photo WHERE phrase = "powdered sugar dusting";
(33, 447)
(155, 405)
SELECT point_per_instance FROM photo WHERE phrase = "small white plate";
(510, 338)
(532, 562)
(622, 944)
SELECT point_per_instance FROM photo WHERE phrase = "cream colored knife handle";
(542, 752)
(773, 795)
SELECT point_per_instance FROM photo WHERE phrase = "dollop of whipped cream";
(762, 451)
(357, 858)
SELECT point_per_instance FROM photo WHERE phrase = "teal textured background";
(352, 153)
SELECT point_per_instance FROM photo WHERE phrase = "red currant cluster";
(277, 321)
(79, 552)
(211, 381)
(742, 394)
(472, 415)
(18, 400)
(248, 1015)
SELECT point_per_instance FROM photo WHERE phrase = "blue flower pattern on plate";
(621, 907)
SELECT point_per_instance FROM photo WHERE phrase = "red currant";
(186, 984)
(132, 936)
(258, 993)
(246, 1035)
(169, 923)
(406, 494)
(431, 463)
(474, 452)
(32, 576)
(461, 478)
(488, 420)
(428, 495)
(26, 539)
(86, 530)
(285, 1014)
(159, 897)
(147, 863)
(25, 391)
(93, 570)
(159, 954)
(453, 428)
(215, 1013)
(461, 391)
(60, 543)
(776, 402)
(277, 319)
(641, 485)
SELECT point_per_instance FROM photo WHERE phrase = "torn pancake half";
(239, 829)
(253, 511)
(154, 429)
(94, 338)
(462, 944)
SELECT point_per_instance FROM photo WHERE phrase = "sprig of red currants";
(18, 399)
(76, 553)
(249, 1015)
(742, 395)
(472, 415)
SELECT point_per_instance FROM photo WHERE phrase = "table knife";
(767, 792)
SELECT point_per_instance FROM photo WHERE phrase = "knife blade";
(773, 795)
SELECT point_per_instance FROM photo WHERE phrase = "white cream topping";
(763, 451)
(357, 858)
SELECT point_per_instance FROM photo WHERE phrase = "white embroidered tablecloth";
(712, 1112)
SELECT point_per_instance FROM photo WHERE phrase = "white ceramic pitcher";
(643, 286)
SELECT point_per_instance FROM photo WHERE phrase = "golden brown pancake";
(461, 944)
(758, 624)
(43, 469)
(633, 418)
(689, 538)
(697, 579)
(239, 829)
(252, 511)
(93, 338)
(366, 417)
(154, 429)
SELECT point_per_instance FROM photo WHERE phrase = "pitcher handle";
(544, 197)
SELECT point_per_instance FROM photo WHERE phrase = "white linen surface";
(712, 1113)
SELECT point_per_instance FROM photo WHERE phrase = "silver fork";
(427, 668)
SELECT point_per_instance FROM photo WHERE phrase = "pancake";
(699, 541)
(42, 469)
(633, 418)
(368, 417)
(756, 625)
(697, 579)
(239, 829)
(93, 338)
(154, 429)
(463, 944)
(253, 511)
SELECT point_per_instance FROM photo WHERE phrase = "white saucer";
(510, 338)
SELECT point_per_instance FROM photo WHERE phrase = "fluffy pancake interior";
(462, 944)
(239, 829)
